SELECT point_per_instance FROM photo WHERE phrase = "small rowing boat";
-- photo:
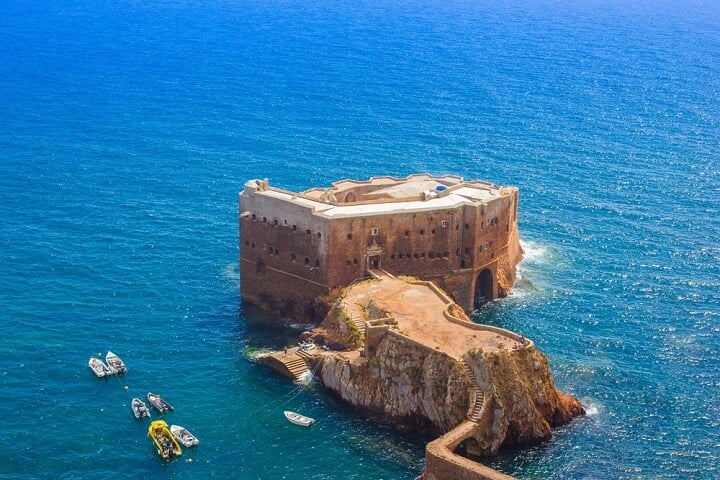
(139, 408)
(115, 364)
(184, 436)
(298, 419)
(158, 403)
(98, 367)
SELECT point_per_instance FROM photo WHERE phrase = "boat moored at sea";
(139, 408)
(158, 403)
(98, 367)
(184, 436)
(165, 443)
(298, 419)
(115, 364)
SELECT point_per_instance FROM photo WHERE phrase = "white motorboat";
(139, 408)
(307, 346)
(98, 367)
(158, 403)
(298, 419)
(184, 436)
(115, 364)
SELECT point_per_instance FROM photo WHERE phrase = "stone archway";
(484, 288)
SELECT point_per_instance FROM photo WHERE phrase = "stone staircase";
(359, 322)
(477, 396)
(295, 363)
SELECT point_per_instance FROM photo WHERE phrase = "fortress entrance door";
(373, 262)
(484, 288)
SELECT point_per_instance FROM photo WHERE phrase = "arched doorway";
(484, 288)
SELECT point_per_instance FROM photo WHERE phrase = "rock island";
(390, 266)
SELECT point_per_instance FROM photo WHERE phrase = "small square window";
(374, 231)
(443, 223)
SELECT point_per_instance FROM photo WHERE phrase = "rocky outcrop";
(507, 264)
(404, 383)
(525, 403)
(423, 389)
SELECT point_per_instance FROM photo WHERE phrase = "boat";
(298, 419)
(307, 346)
(139, 408)
(184, 436)
(158, 403)
(98, 367)
(166, 445)
(115, 364)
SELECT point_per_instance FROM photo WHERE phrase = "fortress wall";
(282, 253)
(442, 464)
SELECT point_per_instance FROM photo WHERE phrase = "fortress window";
(308, 232)
(446, 254)
(467, 251)
(285, 222)
(374, 231)
(443, 223)
(355, 261)
(431, 255)
(422, 232)
(254, 217)
(275, 221)
(349, 236)
(422, 255)
(247, 243)
(293, 257)
(264, 219)
(319, 234)
(260, 267)
(277, 252)
(400, 256)
(307, 261)
(457, 252)
(252, 245)
(408, 255)
(407, 233)
(317, 263)
(433, 231)
(392, 257)
(467, 226)
(294, 227)
(415, 255)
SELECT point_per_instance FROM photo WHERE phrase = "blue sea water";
(128, 128)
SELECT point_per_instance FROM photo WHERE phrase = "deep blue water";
(128, 128)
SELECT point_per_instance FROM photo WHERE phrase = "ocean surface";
(128, 128)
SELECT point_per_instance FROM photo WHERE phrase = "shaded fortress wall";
(283, 248)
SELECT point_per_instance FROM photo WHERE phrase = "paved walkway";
(419, 313)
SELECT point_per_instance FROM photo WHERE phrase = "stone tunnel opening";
(484, 291)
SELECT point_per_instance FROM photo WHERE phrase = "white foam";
(533, 252)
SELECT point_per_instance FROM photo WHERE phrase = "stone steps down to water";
(291, 363)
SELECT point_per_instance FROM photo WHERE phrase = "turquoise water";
(128, 128)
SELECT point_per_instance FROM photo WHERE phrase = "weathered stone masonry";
(296, 247)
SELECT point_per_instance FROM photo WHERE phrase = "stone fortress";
(389, 266)
(295, 247)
